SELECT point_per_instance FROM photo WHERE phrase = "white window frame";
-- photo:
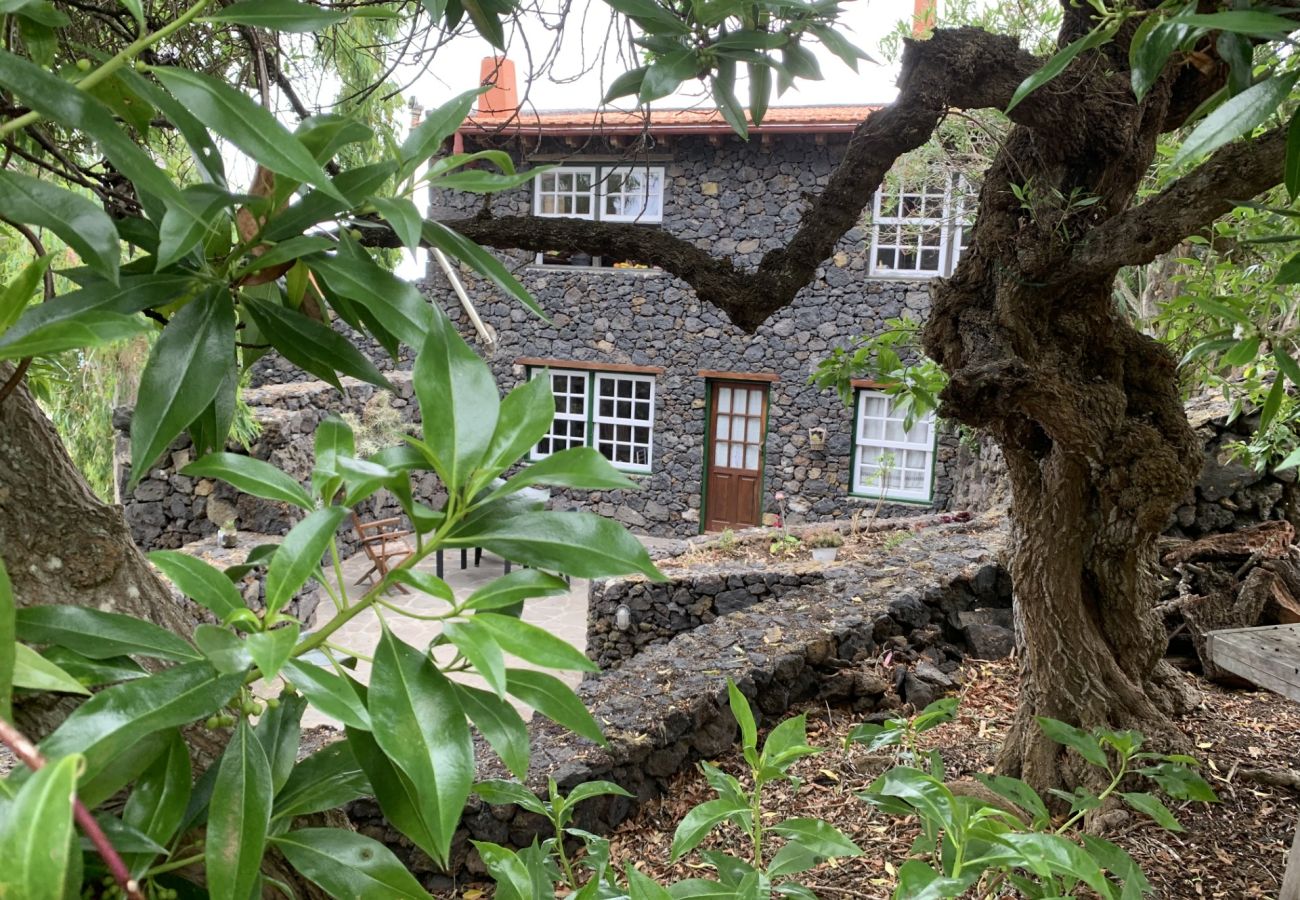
(652, 198)
(593, 195)
(593, 419)
(615, 421)
(862, 444)
(950, 220)
(567, 416)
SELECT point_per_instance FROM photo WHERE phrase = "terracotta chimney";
(923, 17)
(502, 97)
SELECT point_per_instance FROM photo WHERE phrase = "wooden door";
(734, 458)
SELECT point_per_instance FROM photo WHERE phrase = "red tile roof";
(787, 119)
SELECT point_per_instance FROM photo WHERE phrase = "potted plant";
(227, 536)
(825, 544)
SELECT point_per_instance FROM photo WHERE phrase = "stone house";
(715, 422)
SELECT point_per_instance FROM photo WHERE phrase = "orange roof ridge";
(817, 118)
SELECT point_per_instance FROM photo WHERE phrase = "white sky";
(456, 66)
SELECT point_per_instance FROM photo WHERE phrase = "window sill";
(597, 270)
(908, 276)
(855, 497)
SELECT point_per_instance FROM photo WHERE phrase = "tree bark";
(61, 544)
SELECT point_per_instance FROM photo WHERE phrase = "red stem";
(27, 752)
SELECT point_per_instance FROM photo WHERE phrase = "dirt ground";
(1233, 849)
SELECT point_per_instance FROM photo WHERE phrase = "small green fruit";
(273, 702)
(213, 723)
(83, 65)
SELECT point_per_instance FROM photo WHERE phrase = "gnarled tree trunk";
(1088, 416)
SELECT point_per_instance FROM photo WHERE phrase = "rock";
(985, 641)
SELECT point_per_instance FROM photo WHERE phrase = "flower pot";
(227, 539)
(824, 554)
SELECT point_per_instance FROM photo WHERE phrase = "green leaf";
(724, 94)
(63, 102)
(555, 700)
(478, 644)
(239, 821)
(626, 85)
(818, 837)
(35, 673)
(697, 823)
(525, 417)
(81, 224)
(1152, 44)
(455, 389)
(329, 693)
(420, 725)
(1241, 353)
(438, 124)
(656, 19)
(8, 644)
(93, 673)
(246, 124)
(1241, 21)
(300, 553)
(271, 649)
(760, 91)
(1019, 793)
(36, 834)
(534, 645)
(642, 887)
(576, 543)
(498, 792)
(787, 742)
(404, 218)
(1272, 402)
(190, 221)
(1236, 116)
(513, 589)
(513, 880)
(185, 370)
(1083, 743)
(481, 261)
(74, 320)
(1150, 805)
(1289, 271)
(199, 580)
(279, 730)
(311, 346)
(100, 635)
(223, 648)
(116, 718)
(484, 17)
(1292, 175)
(329, 778)
(395, 304)
(17, 293)
(499, 723)
(252, 476)
(158, 800)
(1056, 65)
(589, 789)
(398, 799)
(347, 864)
(744, 716)
(667, 73)
(278, 15)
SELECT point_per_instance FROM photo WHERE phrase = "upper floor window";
(919, 227)
(605, 193)
(611, 411)
(891, 460)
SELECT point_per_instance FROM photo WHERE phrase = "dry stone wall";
(861, 644)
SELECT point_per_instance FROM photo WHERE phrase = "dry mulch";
(757, 549)
(1233, 849)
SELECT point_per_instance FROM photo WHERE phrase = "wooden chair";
(384, 544)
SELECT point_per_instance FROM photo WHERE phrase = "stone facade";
(734, 199)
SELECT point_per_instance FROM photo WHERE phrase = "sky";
(456, 66)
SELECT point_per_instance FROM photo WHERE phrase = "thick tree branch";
(964, 68)
(1232, 174)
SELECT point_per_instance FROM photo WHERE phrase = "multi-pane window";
(889, 459)
(606, 194)
(920, 228)
(613, 412)
(566, 192)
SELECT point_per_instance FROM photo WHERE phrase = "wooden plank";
(1268, 656)
(537, 362)
(1291, 880)
(722, 375)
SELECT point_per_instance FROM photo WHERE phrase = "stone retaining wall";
(698, 595)
(667, 708)
(168, 510)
